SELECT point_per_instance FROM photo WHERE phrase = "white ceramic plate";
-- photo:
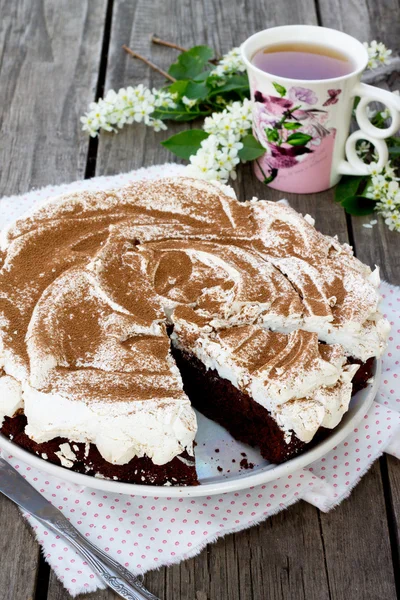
(218, 457)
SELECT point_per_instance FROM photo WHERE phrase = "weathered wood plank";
(58, 592)
(366, 20)
(290, 545)
(19, 555)
(50, 53)
(356, 541)
(50, 58)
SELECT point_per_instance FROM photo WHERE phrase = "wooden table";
(55, 57)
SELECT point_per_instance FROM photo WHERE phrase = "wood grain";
(365, 20)
(50, 54)
(50, 59)
(57, 591)
(19, 554)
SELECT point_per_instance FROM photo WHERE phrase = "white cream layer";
(120, 430)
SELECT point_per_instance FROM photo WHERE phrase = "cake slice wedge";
(268, 389)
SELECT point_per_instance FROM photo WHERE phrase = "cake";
(121, 310)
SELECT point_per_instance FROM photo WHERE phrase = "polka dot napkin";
(144, 533)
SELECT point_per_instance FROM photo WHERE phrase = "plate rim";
(242, 481)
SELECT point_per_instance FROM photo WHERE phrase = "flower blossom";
(128, 105)
(219, 153)
(384, 188)
(378, 54)
(230, 63)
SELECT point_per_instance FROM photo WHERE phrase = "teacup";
(322, 108)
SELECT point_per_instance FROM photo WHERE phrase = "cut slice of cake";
(272, 390)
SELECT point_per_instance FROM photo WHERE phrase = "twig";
(157, 40)
(149, 63)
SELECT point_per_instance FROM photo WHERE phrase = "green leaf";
(298, 139)
(291, 125)
(186, 143)
(191, 63)
(279, 88)
(202, 76)
(272, 134)
(235, 83)
(359, 205)
(347, 187)
(179, 87)
(252, 148)
(197, 90)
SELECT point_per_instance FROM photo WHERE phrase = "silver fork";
(119, 579)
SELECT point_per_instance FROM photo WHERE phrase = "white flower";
(390, 172)
(373, 169)
(377, 54)
(219, 153)
(190, 102)
(370, 113)
(231, 142)
(128, 105)
(157, 124)
(393, 188)
(89, 125)
(383, 54)
(144, 110)
(229, 63)
(385, 189)
(163, 99)
(363, 148)
(393, 221)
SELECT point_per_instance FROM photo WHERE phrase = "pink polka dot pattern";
(143, 532)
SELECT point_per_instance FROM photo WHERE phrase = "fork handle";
(114, 575)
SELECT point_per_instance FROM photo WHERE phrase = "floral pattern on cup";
(289, 126)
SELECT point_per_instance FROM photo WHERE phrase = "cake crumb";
(245, 464)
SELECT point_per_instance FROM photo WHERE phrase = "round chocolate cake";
(119, 310)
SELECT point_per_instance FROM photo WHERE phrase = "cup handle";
(368, 93)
